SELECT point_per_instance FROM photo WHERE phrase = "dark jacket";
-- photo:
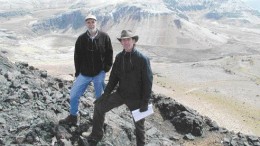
(93, 56)
(133, 73)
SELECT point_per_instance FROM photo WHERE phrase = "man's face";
(91, 24)
(128, 44)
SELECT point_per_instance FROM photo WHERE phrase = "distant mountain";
(158, 22)
(253, 4)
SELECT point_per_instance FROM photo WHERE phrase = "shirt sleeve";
(147, 81)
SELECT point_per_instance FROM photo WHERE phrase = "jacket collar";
(96, 35)
(132, 52)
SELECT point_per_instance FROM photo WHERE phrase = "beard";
(93, 30)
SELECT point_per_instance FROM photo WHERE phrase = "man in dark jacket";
(93, 57)
(132, 71)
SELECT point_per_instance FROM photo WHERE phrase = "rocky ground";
(32, 102)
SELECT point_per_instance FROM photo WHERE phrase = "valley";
(212, 65)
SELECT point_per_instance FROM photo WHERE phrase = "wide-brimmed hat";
(90, 16)
(128, 34)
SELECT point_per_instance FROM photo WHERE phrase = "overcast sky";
(255, 4)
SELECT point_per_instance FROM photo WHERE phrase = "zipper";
(93, 40)
(124, 63)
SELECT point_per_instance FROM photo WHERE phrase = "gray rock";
(213, 126)
(223, 130)
(61, 133)
(2, 120)
(152, 131)
(83, 141)
(5, 64)
(11, 98)
(23, 125)
(189, 136)
(19, 139)
(226, 141)
(253, 139)
(174, 137)
(31, 109)
(44, 74)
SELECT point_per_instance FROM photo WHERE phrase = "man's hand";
(107, 68)
(143, 107)
(76, 74)
(102, 97)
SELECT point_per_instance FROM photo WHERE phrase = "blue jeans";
(80, 85)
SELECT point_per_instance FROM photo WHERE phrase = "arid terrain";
(32, 102)
(225, 89)
(211, 66)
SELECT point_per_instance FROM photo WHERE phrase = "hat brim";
(90, 18)
(134, 37)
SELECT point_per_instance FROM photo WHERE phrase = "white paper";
(140, 115)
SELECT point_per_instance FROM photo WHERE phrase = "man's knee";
(140, 124)
(99, 108)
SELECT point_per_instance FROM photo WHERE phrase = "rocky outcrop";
(32, 102)
(190, 123)
(177, 22)
(11, 14)
(62, 21)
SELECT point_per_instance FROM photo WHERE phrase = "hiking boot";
(70, 120)
(92, 142)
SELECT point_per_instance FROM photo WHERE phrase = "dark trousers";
(115, 100)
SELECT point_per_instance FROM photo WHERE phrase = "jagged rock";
(226, 141)
(223, 130)
(30, 138)
(184, 119)
(63, 142)
(253, 139)
(83, 141)
(2, 120)
(6, 65)
(23, 125)
(44, 74)
(152, 131)
(61, 133)
(31, 109)
(177, 22)
(189, 136)
(32, 68)
(9, 76)
(19, 139)
(213, 125)
(11, 98)
(256, 143)
(22, 64)
(174, 137)
(1, 141)
(188, 123)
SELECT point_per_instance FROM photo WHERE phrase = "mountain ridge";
(217, 58)
(145, 18)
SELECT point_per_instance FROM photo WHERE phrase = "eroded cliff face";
(43, 33)
(154, 21)
(32, 102)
